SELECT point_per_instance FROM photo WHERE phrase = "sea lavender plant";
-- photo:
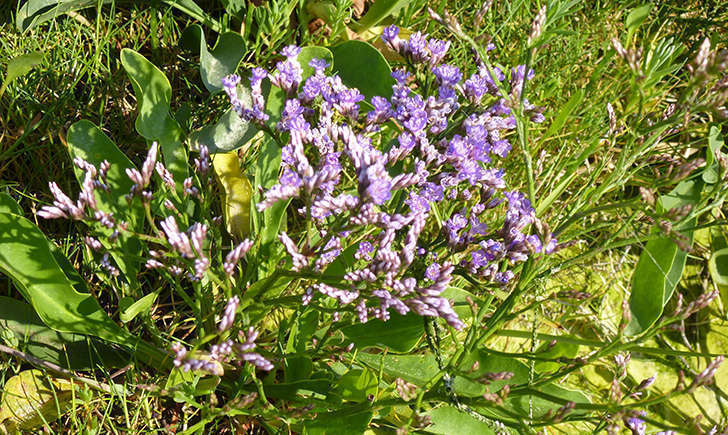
(379, 182)
(386, 203)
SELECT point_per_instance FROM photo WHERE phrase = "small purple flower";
(379, 189)
(230, 82)
(257, 75)
(432, 272)
(382, 111)
(319, 65)
(417, 47)
(291, 51)
(447, 75)
(400, 76)
(312, 88)
(228, 316)
(433, 192)
(519, 72)
(418, 204)
(438, 50)
(365, 251)
(636, 425)
(416, 122)
(479, 259)
(288, 75)
(391, 39)
(504, 277)
(348, 100)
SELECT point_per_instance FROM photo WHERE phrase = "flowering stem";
(523, 142)
(148, 213)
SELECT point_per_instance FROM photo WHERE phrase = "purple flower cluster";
(371, 182)
(86, 207)
(241, 350)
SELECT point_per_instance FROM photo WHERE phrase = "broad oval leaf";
(362, 66)
(298, 368)
(718, 267)
(9, 205)
(35, 12)
(307, 54)
(154, 121)
(25, 257)
(31, 399)
(354, 420)
(19, 66)
(636, 17)
(87, 141)
(711, 174)
(218, 62)
(448, 420)
(357, 385)
(153, 93)
(660, 265)
(398, 334)
(73, 351)
(229, 132)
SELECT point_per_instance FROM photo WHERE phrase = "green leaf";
(660, 265)
(72, 351)
(718, 267)
(230, 132)
(559, 350)
(25, 256)
(129, 309)
(35, 12)
(298, 368)
(154, 122)
(313, 52)
(715, 143)
(377, 12)
(302, 331)
(650, 281)
(448, 420)
(416, 369)
(399, 333)
(564, 113)
(269, 223)
(419, 369)
(192, 383)
(636, 17)
(353, 420)
(87, 141)
(293, 390)
(191, 8)
(31, 399)
(460, 299)
(218, 63)
(271, 286)
(357, 385)
(19, 66)
(362, 66)
(9, 205)
(153, 93)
